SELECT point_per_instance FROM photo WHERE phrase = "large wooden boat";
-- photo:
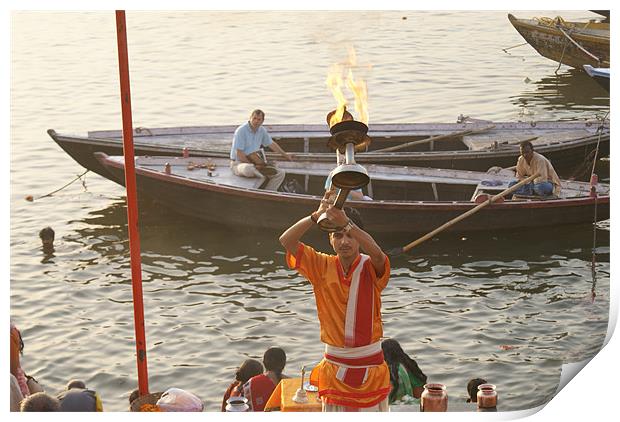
(405, 199)
(468, 145)
(570, 43)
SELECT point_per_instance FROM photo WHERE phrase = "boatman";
(531, 162)
(353, 375)
(248, 139)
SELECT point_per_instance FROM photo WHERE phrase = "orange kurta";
(331, 291)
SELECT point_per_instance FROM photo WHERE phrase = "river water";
(214, 296)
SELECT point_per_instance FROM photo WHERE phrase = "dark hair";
(134, 395)
(472, 389)
(526, 144)
(394, 355)
(274, 360)
(258, 112)
(248, 369)
(46, 233)
(76, 384)
(355, 216)
(39, 402)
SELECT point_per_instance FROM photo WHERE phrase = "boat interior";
(387, 183)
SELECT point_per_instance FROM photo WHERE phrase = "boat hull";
(259, 209)
(567, 157)
(551, 43)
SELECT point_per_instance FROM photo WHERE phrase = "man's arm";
(242, 157)
(290, 238)
(367, 243)
(520, 169)
(276, 148)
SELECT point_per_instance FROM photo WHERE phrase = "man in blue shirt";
(249, 138)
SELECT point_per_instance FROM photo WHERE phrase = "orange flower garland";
(147, 407)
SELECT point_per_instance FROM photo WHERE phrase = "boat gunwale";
(307, 130)
(313, 199)
(502, 151)
(533, 26)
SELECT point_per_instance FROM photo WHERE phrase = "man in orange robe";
(353, 375)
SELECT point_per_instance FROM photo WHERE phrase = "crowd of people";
(27, 395)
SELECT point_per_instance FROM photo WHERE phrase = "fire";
(336, 81)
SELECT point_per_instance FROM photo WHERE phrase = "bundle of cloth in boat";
(177, 400)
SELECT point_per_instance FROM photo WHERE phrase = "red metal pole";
(132, 204)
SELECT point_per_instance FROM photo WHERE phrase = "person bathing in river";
(531, 162)
(258, 389)
(406, 377)
(248, 369)
(472, 389)
(353, 375)
(248, 139)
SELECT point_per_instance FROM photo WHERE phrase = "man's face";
(527, 152)
(344, 245)
(256, 120)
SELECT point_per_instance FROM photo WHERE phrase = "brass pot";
(434, 398)
(487, 396)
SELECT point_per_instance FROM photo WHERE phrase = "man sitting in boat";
(248, 139)
(353, 375)
(531, 162)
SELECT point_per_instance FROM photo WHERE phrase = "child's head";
(472, 389)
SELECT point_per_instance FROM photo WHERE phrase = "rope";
(598, 142)
(505, 50)
(598, 60)
(594, 226)
(561, 57)
(79, 176)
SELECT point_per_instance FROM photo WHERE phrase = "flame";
(360, 93)
(335, 81)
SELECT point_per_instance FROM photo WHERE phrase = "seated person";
(259, 388)
(16, 394)
(77, 398)
(247, 140)
(248, 369)
(406, 377)
(472, 389)
(17, 349)
(531, 162)
(40, 402)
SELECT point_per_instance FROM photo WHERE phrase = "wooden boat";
(600, 74)
(570, 43)
(469, 145)
(406, 199)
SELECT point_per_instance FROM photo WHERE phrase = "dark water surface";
(214, 295)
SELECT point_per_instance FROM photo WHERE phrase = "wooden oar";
(398, 251)
(432, 138)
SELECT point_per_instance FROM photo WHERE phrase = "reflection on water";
(570, 89)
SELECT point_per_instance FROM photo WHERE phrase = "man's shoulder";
(243, 127)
